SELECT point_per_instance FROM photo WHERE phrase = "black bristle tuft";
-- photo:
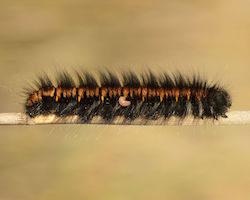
(64, 80)
(129, 79)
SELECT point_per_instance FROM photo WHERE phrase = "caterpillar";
(147, 96)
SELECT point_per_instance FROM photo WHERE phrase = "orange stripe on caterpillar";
(104, 92)
(80, 94)
(125, 92)
(144, 93)
(74, 92)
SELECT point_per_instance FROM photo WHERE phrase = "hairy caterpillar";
(146, 96)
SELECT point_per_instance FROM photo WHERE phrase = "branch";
(234, 118)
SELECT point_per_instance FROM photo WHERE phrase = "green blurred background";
(124, 162)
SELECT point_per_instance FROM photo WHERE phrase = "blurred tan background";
(124, 162)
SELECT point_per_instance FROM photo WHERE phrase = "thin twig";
(234, 118)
